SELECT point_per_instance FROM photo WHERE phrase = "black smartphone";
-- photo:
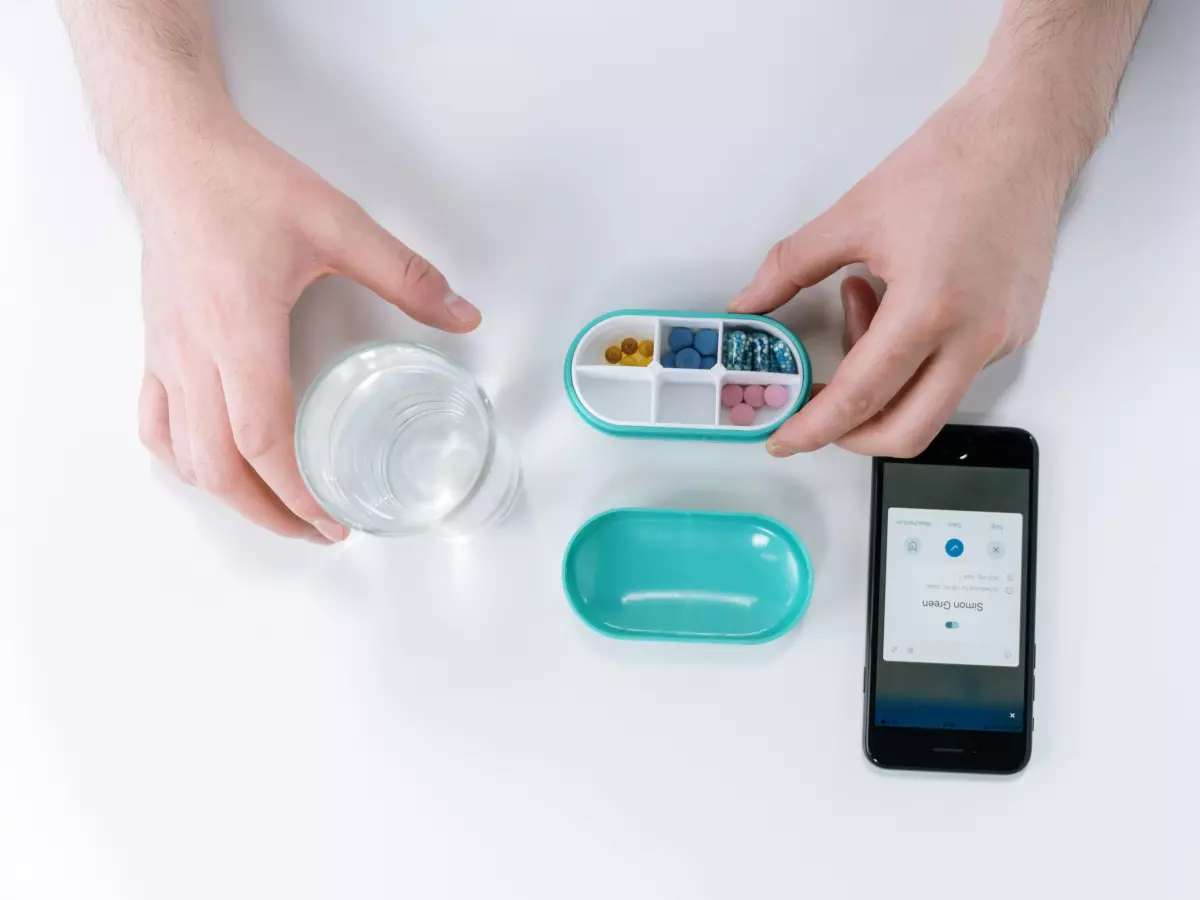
(950, 651)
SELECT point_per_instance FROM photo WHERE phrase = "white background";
(192, 709)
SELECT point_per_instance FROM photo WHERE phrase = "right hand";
(234, 229)
(961, 227)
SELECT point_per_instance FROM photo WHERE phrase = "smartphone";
(949, 679)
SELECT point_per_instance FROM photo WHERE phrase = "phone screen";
(950, 650)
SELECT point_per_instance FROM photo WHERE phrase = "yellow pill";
(629, 346)
(646, 348)
(629, 361)
(612, 355)
(644, 360)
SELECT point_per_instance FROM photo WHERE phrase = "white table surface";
(190, 708)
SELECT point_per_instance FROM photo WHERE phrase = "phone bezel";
(950, 750)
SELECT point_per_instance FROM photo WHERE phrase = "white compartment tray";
(653, 401)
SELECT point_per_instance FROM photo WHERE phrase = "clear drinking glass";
(398, 439)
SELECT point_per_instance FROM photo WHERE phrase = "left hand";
(960, 222)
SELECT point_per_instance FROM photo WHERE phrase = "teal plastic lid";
(676, 575)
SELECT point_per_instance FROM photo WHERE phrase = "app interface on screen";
(953, 588)
(950, 648)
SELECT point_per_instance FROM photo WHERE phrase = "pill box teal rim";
(781, 628)
(686, 434)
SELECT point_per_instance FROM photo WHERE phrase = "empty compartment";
(621, 400)
(611, 332)
(687, 403)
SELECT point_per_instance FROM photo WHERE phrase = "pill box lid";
(685, 575)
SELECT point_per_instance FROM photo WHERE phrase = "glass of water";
(398, 439)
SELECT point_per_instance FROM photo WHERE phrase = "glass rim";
(484, 466)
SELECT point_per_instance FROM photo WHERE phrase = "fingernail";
(776, 448)
(735, 305)
(331, 530)
(462, 309)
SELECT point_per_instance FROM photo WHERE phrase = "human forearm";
(153, 76)
(1057, 65)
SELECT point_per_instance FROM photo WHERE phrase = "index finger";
(812, 254)
(365, 251)
(873, 372)
(256, 379)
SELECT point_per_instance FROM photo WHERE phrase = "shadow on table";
(990, 386)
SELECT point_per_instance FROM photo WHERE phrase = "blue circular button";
(954, 547)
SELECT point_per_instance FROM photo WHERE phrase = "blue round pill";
(705, 342)
(707, 362)
(687, 358)
(668, 361)
(679, 338)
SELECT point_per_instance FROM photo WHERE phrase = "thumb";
(810, 255)
(369, 254)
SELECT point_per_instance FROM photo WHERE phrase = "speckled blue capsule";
(782, 360)
(737, 351)
(760, 352)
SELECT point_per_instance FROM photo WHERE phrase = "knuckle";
(779, 256)
(939, 315)
(152, 424)
(855, 406)
(289, 487)
(904, 442)
(300, 502)
(416, 273)
(995, 338)
(217, 476)
(149, 434)
(255, 438)
(183, 463)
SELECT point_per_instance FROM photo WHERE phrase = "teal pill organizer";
(656, 402)
(675, 575)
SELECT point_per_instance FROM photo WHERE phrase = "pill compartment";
(668, 402)
(765, 416)
(686, 401)
(619, 397)
(590, 350)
